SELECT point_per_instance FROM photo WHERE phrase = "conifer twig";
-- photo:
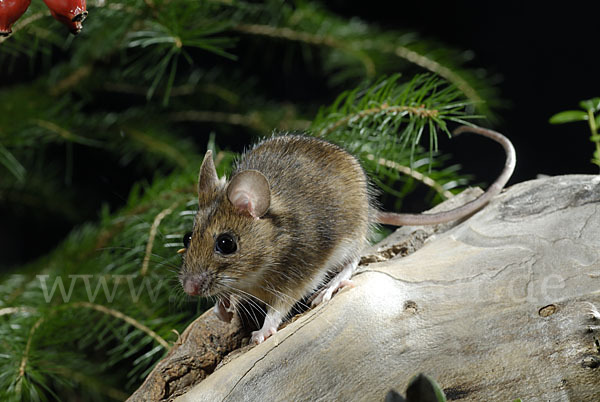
(124, 317)
(25, 357)
(442, 71)
(14, 310)
(72, 80)
(414, 174)
(187, 89)
(305, 37)
(249, 120)
(64, 133)
(153, 230)
(22, 24)
(252, 119)
(420, 111)
(159, 146)
(98, 307)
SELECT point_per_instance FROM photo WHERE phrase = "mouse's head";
(230, 240)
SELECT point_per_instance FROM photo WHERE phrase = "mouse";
(296, 210)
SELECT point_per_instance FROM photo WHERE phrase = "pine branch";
(260, 121)
(120, 261)
(153, 231)
(415, 174)
(387, 116)
(16, 310)
(129, 320)
(383, 124)
(12, 164)
(311, 39)
(311, 25)
(153, 51)
(170, 30)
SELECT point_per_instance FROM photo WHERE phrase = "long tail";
(391, 218)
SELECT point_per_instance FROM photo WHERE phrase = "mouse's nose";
(191, 286)
(196, 284)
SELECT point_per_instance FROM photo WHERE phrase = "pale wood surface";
(496, 308)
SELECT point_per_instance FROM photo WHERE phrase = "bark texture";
(196, 354)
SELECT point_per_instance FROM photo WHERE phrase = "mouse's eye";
(186, 239)
(225, 244)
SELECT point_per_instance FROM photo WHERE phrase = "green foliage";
(179, 25)
(590, 113)
(384, 124)
(424, 388)
(421, 388)
(144, 88)
(568, 116)
(166, 51)
(12, 164)
(109, 294)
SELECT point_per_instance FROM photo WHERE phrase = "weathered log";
(504, 305)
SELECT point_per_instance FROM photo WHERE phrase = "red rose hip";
(10, 11)
(69, 12)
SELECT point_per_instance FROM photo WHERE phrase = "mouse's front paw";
(262, 334)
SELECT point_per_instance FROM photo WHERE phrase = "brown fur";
(320, 206)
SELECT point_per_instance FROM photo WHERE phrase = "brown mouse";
(295, 209)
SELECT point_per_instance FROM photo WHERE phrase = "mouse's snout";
(197, 284)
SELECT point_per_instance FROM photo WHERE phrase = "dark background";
(545, 60)
(546, 57)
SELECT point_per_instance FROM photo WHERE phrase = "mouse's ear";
(207, 179)
(249, 192)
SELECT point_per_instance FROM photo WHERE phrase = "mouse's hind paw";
(341, 280)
